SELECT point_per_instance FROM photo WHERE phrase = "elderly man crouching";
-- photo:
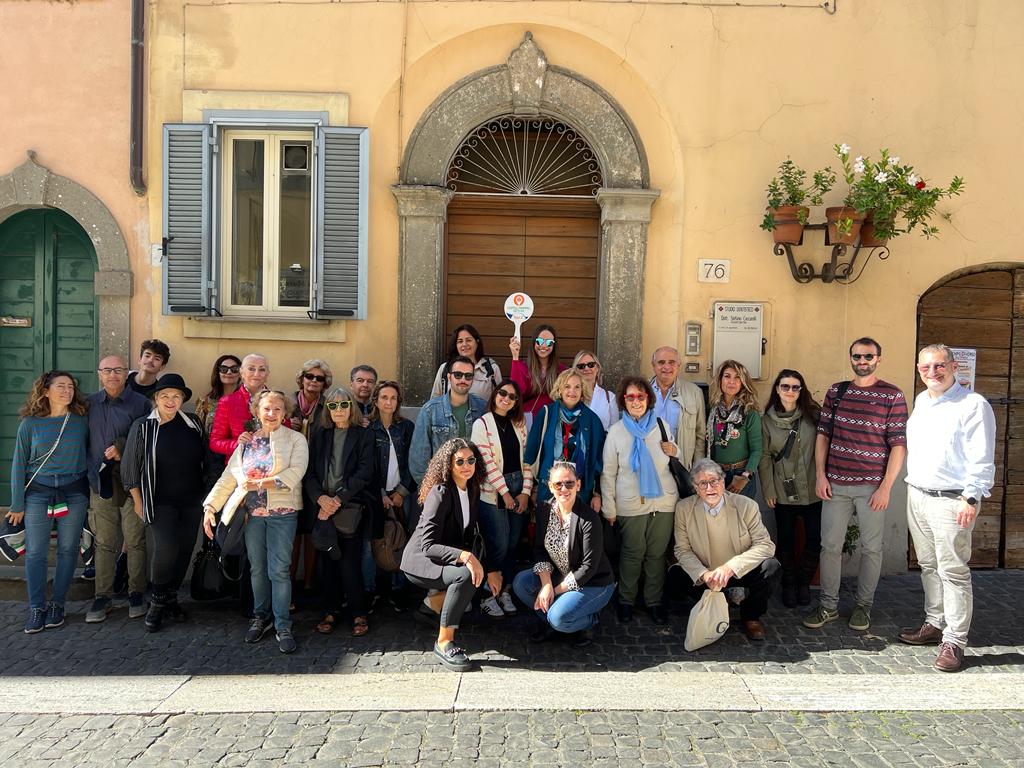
(722, 543)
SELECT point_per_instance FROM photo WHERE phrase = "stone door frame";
(525, 85)
(32, 185)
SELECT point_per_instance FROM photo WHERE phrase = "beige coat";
(692, 426)
(751, 543)
(291, 455)
(620, 486)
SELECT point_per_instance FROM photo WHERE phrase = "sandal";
(326, 625)
(360, 626)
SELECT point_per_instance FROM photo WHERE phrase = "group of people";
(622, 488)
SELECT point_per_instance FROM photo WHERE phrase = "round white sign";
(518, 309)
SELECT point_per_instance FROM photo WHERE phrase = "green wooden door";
(48, 311)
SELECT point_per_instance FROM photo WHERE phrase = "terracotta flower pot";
(834, 215)
(868, 235)
(789, 223)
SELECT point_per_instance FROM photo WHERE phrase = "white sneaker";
(505, 601)
(491, 608)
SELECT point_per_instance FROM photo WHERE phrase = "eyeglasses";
(635, 397)
(228, 368)
(591, 364)
(666, 362)
(564, 485)
(464, 375)
(938, 367)
(869, 356)
(471, 461)
(339, 405)
(109, 371)
(508, 395)
(314, 377)
(544, 342)
(708, 484)
(791, 387)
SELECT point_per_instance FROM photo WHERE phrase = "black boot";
(155, 614)
(173, 611)
(807, 569)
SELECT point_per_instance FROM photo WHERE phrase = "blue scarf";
(579, 454)
(640, 458)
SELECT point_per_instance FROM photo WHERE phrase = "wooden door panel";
(485, 266)
(562, 226)
(479, 223)
(960, 332)
(562, 247)
(538, 266)
(976, 303)
(556, 287)
(486, 244)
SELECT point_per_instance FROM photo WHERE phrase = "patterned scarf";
(722, 423)
(567, 420)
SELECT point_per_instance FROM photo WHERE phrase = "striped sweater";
(868, 422)
(36, 436)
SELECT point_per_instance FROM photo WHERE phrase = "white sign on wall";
(739, 328)
(714, 270)
(966, 365)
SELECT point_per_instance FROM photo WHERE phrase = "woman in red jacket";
(232, 421)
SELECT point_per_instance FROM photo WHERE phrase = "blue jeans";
(501, 529)
(570, 611)
(268, 543)
(37, 535)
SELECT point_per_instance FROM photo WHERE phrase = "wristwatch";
(747, 474)
(971, 500)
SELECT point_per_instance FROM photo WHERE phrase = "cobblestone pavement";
(211, 643)
(709, 739)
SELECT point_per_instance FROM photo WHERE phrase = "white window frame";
(272, 139)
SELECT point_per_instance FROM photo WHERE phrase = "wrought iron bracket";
(844, 266)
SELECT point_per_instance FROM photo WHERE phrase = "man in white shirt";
(950, 467)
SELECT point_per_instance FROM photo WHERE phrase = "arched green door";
(48, 315)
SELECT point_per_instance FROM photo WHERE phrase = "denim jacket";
(435, 426)
(401, 433)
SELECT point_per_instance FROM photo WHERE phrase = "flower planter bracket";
(844, 266)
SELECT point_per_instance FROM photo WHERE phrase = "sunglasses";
(869, 356)
(790, 387)
(314, 377)
(544, 342)
(563, 484)
(508, 395)
(460, 462)
(228, 368)
(464, 375)
(925, 367)
(109, 371)
(581, 366)
(339, 405)
(635, 397)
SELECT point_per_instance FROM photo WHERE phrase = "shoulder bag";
(387, 550)
(675, 466)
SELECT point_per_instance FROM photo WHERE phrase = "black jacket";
(360, 481)
(401, 434)
(440, 537)
(589, 564)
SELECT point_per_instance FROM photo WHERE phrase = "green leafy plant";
(790, 187)
(896, 197)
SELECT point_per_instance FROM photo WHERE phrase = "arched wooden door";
(985, 311)
(48, 315)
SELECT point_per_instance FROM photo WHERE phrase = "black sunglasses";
(591, 364)
(564, 484)
(471, 461)
(790, 387)
(464, 375)
(314, 377)
(869, 356)
(508, 395)
(228, 368)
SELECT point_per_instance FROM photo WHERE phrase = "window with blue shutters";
(265, 220)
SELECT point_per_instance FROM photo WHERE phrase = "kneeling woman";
(439, 555)
(572, 579)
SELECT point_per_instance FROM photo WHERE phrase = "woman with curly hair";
(734, 427)
(48, 483)
(443, 553)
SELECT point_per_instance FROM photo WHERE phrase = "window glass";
(247, 223)
(294, 230)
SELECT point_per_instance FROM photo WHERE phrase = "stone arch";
(32, 185)
(525, 85)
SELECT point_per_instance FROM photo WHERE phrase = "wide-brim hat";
(172, 381)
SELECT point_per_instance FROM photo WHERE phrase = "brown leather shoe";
(754, 630)
(950, 658)
(926, 635)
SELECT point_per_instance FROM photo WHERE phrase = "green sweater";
(746, 445)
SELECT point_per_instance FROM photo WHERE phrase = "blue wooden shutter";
(342, 221)
(187, 215)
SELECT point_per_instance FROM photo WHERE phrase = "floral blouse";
(257, 462)
(556, 542)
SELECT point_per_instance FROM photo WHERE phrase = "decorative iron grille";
(513, 155)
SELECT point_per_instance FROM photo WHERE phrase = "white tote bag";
(709, 620)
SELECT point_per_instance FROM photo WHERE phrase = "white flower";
(844, 149)
(858, 165)
(882, 177)
(893, 161)
(911, 179)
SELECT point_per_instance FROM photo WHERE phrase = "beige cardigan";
(485, 436)
(750, 540)
(291, 455)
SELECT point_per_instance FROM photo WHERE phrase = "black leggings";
(171, 539)
(457, 598)
(344, 577)
(799, 571)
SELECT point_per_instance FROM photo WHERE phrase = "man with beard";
(859, 451)
(445, 417)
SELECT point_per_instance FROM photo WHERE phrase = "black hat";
(172, 381)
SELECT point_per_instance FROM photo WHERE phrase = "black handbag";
(230, 537)
(208, 580)
(347, 518)
(675, 466)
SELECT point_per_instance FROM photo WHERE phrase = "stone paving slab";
(708, 739)
(211, 642)
(108, 695)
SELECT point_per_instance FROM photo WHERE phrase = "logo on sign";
(518, 300)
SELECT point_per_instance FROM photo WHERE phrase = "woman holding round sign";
(535, 377)
(466, 342)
